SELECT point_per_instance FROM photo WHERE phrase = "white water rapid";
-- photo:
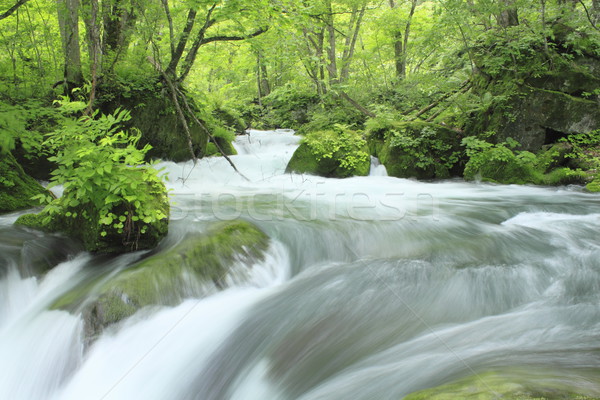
(372, 288)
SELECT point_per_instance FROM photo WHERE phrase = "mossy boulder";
(416, 149)
(82, 222)
(155, 115)
(334, 153)
(197, 266)
(511, 386)
(16, 187)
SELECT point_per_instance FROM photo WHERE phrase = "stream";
(372, 288)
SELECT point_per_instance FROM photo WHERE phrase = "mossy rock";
(16, 187)
(230, 119)
(510, 386)
(436, 155)
(534, 117)
(594, 186)
(304, 161)
(155, 115)
(335, 152)
(85, 226)
(191, 268)
(224, 144)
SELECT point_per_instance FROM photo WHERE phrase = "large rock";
(536, 95)
(16, 187)
(534, 117)
(153, 113)
(201, 264)
(417, 149)
(82, 222)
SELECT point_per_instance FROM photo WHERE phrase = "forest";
(503, 91)
(299, 199)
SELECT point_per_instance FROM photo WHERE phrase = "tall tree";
(68, 18)
(400, 37)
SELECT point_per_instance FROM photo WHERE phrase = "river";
(372, 288)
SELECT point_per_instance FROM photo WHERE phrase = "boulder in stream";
(527, 384)
(197, 266)
(333, 153)
(416, 149)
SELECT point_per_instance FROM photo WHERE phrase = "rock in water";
(16, 187)
(199, 265)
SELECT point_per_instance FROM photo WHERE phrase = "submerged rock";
(16, 187)
(201, 264)
(526, 385)
(82, 222)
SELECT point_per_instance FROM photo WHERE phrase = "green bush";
(340, 143)
(500, 163)
(106, 182)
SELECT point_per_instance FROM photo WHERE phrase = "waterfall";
(372, 288)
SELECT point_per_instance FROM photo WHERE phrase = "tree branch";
(173, 91)
(14, 8)
(175, 57)
(233, 38)
(191, 55)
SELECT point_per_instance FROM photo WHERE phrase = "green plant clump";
(414, 149)
(111, 198)
(336, 152)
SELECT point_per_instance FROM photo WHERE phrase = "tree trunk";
(262, 80)
(331, 46)
(509, 15)
(68, 18)
(401, 41)
(351, 37)
(90, 17)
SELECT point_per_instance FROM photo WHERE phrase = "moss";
(87, 228)
(167, 278)
(510, 386)
(594, 186)
(16, 187)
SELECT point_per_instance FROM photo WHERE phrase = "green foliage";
(502, 164)
(414, 148)
(585, 147)
(288, 107)
(339, 143)
(103, 173)
(498, 162)
(25, 124)
(424, 147)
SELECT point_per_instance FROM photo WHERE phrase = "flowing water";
(373, 288)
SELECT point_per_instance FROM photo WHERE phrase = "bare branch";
(14, 8)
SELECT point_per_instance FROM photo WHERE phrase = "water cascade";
(372, 288)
